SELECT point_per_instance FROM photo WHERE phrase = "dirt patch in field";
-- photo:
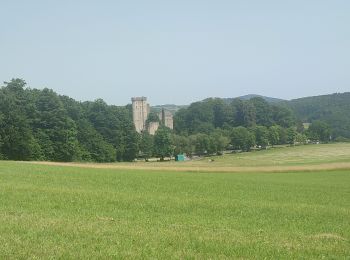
(328, 236)
(209, 168)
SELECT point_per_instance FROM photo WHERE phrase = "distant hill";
(169, 107)
(333, 109)
(250, 96)
(268, 99)
(174, 108)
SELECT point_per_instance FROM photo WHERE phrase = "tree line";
(42, 125)
(212, 126)
(212, 113)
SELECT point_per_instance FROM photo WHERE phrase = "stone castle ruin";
(141, 110)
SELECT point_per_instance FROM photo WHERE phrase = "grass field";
(282, 159)
(53, 211)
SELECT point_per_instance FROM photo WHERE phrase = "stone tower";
(167, 119)
(140, 111)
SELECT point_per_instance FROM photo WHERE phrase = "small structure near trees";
(180, 158)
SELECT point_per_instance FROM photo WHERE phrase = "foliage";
(55, 127)
(162, 143)
(263, 111)
(332, 109)
(41, 125)
(182, 145)
(201, 144)
(94, 147)
(301, 138)
(283, 116)
(274, 135)
(146, 145)
(152, 117)
(319, 131)
(218, 142)
(291, 135)
(205, 116)
(261, 136)
(242, 138)
(18, 142)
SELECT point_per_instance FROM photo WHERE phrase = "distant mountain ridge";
(168, 107)
(174, 108)
(250, 96)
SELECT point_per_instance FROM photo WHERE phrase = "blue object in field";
(180, 158)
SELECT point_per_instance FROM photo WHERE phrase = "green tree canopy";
(242, 138)
(162, 143)
(146, 145)
(319, 131)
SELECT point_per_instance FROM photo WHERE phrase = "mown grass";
(292, 155)
(78, 213)
(278, 159)
(280, 156)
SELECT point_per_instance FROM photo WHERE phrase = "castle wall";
(153, 127)
(167, 119)
(140, 110)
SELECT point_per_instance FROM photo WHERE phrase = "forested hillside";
(41, 125)
(205, 116)
(250, 96)
(333, 109)
(214, 124)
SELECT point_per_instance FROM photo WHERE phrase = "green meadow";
(68, 212)
(279, 158)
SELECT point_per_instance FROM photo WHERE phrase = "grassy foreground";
(71, 212)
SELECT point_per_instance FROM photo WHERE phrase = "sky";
(177, 52)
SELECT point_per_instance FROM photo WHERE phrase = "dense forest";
(214, 124)
(333, 109)
(42, 125)
(212, 113)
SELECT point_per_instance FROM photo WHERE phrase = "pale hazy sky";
(177, 51)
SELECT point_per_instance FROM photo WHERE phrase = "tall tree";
(274, 135)
(218, 142)
(55, 129)
(261, 136)
(319, 131)
(18, 142)
(93, 146)
(263, 111)
(291, 135)
(146, 145)
(162, 143)
(245, 113)
(283, 116)
(201, 144)
(182, 144)
(221, 111)
(242, 138)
